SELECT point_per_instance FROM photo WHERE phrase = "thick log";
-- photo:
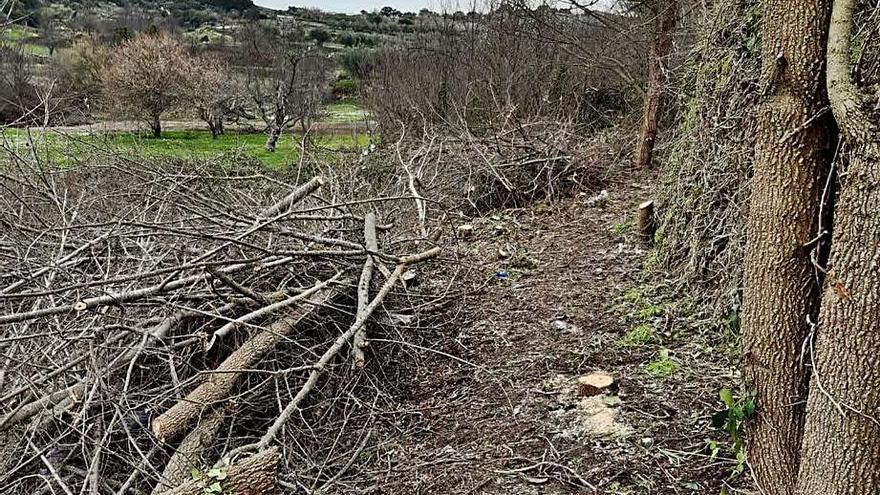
(191, 452)
(173, 422)
(254, 475)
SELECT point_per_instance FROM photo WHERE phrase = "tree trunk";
(781, 285)
(156, 127)
(661, 46)
(841, 446)
(272, 140)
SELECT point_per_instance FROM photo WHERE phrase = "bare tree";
(50, 28)
(146, 77)
(215, 93)
(664, 15)
(286, 78)
(19, 92)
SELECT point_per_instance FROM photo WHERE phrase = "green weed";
(732, 420)
(624, 226)
(210, 481)
(638, 336)
(662, 366)
(182, 144)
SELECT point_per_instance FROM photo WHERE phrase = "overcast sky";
(354, 6)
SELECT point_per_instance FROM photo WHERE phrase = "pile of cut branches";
(165, 329)
(515, 165)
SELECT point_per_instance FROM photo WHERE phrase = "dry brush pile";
(509, 166)
(190, 330)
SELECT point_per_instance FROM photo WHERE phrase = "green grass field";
(344, 111)
(180, 144)
(21, 36)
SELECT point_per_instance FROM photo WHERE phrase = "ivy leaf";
(738, 413)
(195, 474)
(217, 473)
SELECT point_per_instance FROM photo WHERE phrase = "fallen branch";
(359, 341)
(293, 198)
(116, 299)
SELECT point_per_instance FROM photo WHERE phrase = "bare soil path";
(492, 408)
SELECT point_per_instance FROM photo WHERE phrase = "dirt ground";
(490, 406)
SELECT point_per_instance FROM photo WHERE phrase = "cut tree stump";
(594, 384)
(646, 222)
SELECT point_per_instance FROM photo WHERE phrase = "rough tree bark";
(255, 475)
(274, 133)
(219, 128)
(279, 115)
(665, 18)
(781, 286)
(841, 445)
(214, 119)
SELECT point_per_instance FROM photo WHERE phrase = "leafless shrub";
(486, 72)
(19, 95)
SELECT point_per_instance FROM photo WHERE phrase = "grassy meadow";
(71, 146)
(187, 144)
